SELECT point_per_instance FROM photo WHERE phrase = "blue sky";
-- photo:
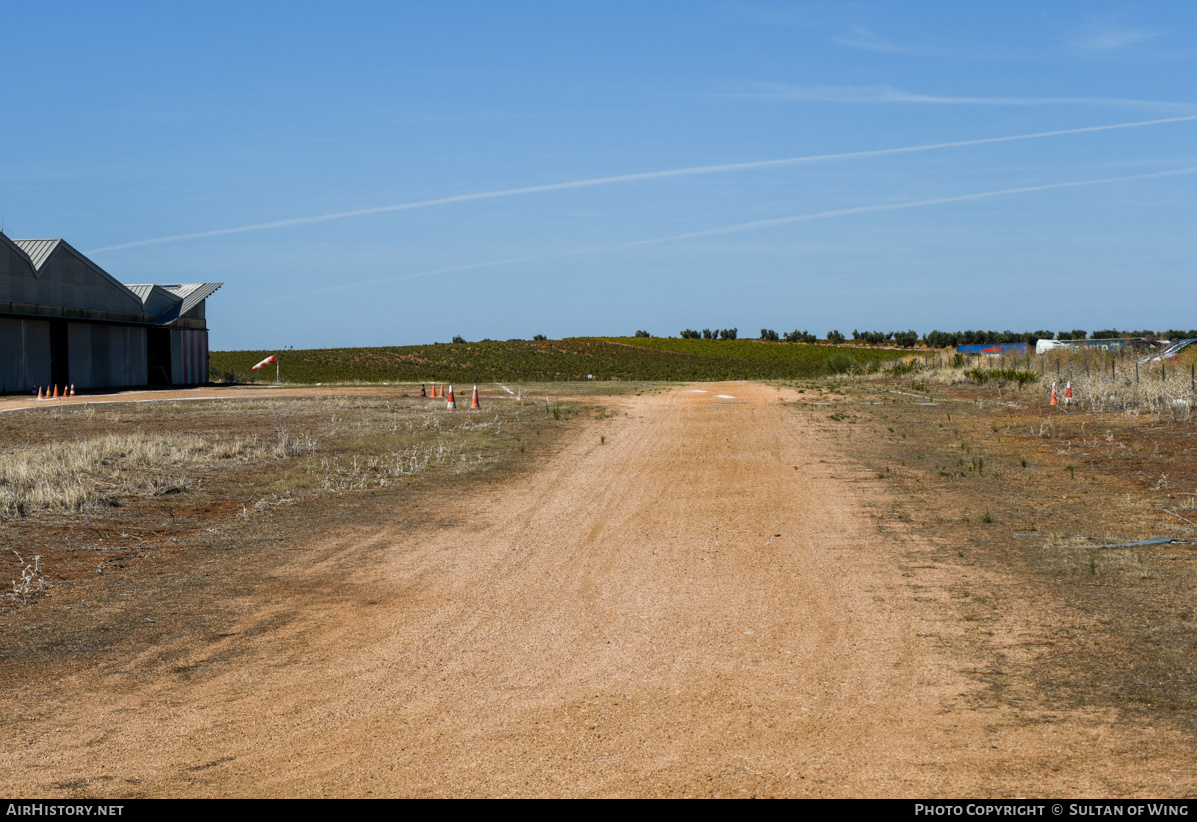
(221, 142)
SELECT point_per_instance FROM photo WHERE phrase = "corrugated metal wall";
(107, 356)
(24, 355)
(64, 280)
(188, 356)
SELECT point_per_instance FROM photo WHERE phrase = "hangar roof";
(188, 296)
(164, 302)
(38, 250)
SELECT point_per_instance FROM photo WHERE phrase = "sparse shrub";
(31, 581)
(903, 368)
(1001, 375)
(839, 363)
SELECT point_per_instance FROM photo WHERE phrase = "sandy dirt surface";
(689, 598)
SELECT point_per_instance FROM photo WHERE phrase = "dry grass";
(96, 473)
(334, 443)
(1078, 559)
(1170, 395)
(1101, 382)
(339, 473)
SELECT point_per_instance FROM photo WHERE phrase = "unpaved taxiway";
(688, 599)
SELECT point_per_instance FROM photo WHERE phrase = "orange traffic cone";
(55, 394)
(1053, 402)
(434, 394)
(474, 406)
(39, 393)
(1068, 393)
(72, 389)
(451, 404)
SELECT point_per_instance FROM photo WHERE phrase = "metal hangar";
(64, 320)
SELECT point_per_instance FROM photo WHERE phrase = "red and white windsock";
(268, 361)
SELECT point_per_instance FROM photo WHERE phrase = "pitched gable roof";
(166, 303)
(20, 252)
(193, 293)
(38, 251)
(186, 296)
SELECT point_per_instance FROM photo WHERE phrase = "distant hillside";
(623, 358)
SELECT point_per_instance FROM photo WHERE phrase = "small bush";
(839, 363)
(903, 368)
(1001, 375)
(32, 581)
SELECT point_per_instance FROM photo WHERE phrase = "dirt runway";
(690, 598)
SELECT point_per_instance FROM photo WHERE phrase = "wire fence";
(1097, 381)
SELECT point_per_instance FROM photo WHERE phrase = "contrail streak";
(732, 229)
(630, 178)
(843, 212)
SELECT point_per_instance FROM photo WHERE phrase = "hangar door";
(24, 355)
(106, 356)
